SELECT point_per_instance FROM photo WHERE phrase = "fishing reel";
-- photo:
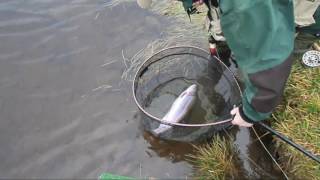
(311, 58)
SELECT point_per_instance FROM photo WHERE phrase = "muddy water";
(64, 110)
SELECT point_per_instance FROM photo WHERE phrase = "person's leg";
(261, 36)
(217, 43)
(314, 28)
(304, 11)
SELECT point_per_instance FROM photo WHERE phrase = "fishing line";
(265, 148)
(265, 134)
(262, 170)
(252, 161)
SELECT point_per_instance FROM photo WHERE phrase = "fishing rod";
(287, 140)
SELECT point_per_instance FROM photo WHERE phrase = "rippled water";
(64, 111)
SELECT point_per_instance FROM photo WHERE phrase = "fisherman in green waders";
(260, 34)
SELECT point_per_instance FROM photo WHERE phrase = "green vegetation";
(298, 117)
(179, 32)
(108, 176)
(215, 160)
(183, 26)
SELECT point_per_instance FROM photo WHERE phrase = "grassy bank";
(215, 160)
(298, 117)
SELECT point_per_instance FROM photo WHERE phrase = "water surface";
(64, 112)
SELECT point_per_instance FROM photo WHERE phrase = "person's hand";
(238, 120)
(198, 3)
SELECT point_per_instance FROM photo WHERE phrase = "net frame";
(149, 61)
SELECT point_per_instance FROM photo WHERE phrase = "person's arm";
(260, 33)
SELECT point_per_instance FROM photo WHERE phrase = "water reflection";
(171, 150)
(63, 112)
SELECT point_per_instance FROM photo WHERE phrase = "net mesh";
(162, 78)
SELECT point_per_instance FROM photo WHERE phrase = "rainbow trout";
(179, 109)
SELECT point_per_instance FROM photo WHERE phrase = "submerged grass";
(298, 117)
(215, 160)
(179, 32)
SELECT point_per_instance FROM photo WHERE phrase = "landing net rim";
(143, 67)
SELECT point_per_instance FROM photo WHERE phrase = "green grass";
(179, 32)
(186, 32)
(298, 117)
(215, 160)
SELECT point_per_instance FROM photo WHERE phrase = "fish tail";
(161, 129)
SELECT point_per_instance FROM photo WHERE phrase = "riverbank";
(298, 118)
